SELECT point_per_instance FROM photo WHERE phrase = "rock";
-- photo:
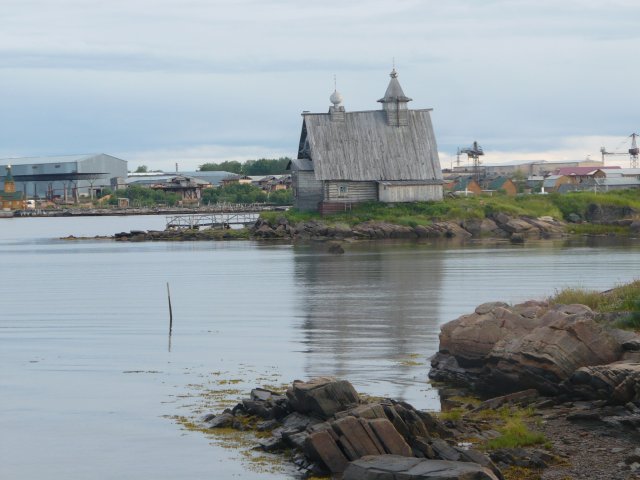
(618, 381)
(322, 396)
(444, 451)
(389, 437)
(520, 457)
(349, 429)
(335, 248)
(322, 447)
(524, 397)
(532, 345)
(272, 444)
(516, 238)
(607, 214)
(574, 218)
(224, 420)
(635, 226)
(392, 467)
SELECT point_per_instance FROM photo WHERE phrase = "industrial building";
(65, 177)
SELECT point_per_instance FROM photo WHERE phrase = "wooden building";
(388, 155)
(9, 198)
(503, 184)
(466, 186)
(189, 189)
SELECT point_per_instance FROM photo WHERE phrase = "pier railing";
(211, 220)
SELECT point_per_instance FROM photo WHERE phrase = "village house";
(466, 186)
(388, 155)
(502, 185)
(188, 188)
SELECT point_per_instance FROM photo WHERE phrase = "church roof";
(394, 91)
(364, 147)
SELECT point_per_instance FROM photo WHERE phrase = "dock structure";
(211, 220)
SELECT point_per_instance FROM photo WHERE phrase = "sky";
(159, 82)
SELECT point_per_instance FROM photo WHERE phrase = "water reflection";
(370, 315)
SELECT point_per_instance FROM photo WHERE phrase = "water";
(87, 379)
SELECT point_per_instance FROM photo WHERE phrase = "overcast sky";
(191, 81)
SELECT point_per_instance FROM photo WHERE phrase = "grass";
(465, 208)
(622, 298)
(515, 434)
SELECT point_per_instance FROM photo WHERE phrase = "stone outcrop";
(327, 423)
(393, 467)
(499, 348)
(499, 226)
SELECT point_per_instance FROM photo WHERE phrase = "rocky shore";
(517, 229)
(557, 397)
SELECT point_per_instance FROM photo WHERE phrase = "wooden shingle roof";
(364, 147)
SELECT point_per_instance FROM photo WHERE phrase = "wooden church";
(9, 198)
(388, 155)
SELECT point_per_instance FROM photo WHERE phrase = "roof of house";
(462, 184)
(581, 170)
(623, 172)
(365, 148)
(497, 183)
(551, 180)
(617, 181)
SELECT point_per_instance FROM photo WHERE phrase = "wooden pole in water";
(170, 311)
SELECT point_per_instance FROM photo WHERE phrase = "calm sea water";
(88, 384)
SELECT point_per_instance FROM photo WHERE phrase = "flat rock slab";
(394, 467)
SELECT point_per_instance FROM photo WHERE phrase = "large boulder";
(393, 467)
(499, 348)
(322, 397)
(618, 381)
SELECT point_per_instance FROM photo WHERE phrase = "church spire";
(9, 184)
(394, 102)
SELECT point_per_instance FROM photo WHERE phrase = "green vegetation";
(262, 166)
(623, 298)
(245, 193)
(142, 169)
(464, 208)
(145, 197)
(515, 434)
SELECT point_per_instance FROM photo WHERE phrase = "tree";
(142, 169)
(266, 166)
(232, 166)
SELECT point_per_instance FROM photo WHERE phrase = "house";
(9, 198)
(467, 185)
(241, 179)
(503, 184)
(189, 188)
(553, 182)
(388, 155)
(577, 175)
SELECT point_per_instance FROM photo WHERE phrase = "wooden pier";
(211, 220)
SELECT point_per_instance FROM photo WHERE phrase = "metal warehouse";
(65, 177)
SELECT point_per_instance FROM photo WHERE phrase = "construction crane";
(473, 153)
(633, 151)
